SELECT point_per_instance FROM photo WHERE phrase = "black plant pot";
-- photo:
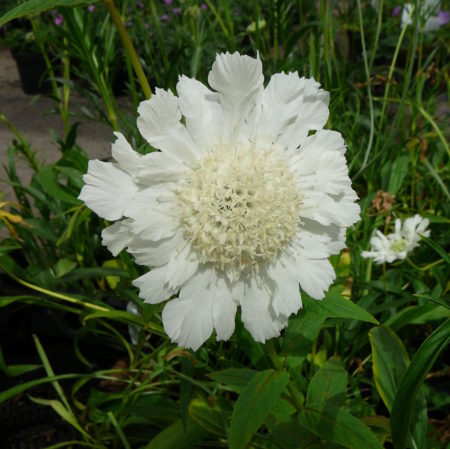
(33, 72)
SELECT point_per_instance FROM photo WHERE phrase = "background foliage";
(361, 369)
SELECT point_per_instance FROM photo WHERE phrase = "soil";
(31, 116)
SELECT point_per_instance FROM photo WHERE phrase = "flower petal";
(257, 317)
(292, 106)
(181, 267)
(152, 286)
(128, 159)
(315, 276)
(159, 122)
(108, 190)
(202, 111)
(224, 310)
(188, 320)
(117, 236)
(286, 298)
(239, 82)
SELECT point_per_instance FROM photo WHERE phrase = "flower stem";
(295, 395)
(128, 47)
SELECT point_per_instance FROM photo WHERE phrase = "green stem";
(128, 46)
(295, 395)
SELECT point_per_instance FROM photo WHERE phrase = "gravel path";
(28, 114)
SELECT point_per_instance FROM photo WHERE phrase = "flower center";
(399, 246)
(239, 207)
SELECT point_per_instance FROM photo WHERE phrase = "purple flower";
(204, 6)
(168, 2)
(91, 8)
(396, 11)
(140, 5)
(164, 18)
(176, 11)
(59, 19)
(444, 17)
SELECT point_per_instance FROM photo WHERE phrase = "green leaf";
(441, 251)
(15, 370)
(38, 6)
(48, 178)
(329, 384)
(417, 315)
(176, 437)
(209, 418)
(94, 272)
(254, 404)
(398, 172)
(390, 362)
(236, 379)
(421, 364)
(335, 425)
(334, 305)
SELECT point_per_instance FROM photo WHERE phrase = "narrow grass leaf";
(420, 365)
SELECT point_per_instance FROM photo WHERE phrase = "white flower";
(397, 245)
(241, 204)
(428, 14)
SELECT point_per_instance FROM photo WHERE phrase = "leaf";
(334, 305)
(15, 370)
(335, 425)
(420, 365)
(48, 178)
(175, 437)
(398, 172)
(94, 272)
(209, 418)
(38, 6)
(390, 362)
(329, 384)
(301, 333)
(441, 251)
(254, 404)
(236, 379)
(59, 408)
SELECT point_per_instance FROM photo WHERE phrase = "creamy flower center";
(239, 207)
(399, 246)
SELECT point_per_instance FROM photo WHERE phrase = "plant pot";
(33, 72)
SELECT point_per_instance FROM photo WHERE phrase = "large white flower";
(397, 245)
(241, 205)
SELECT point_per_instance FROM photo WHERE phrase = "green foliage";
(340, 375)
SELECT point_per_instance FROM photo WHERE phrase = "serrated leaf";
(420, 365)
(329, 384)
(254, 404)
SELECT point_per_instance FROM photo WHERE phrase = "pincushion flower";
(241, 204)
(397, 245)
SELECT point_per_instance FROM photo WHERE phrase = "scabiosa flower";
(91, 8)
(430, 16)
(59, 19)
(243, 203)
(397, 245)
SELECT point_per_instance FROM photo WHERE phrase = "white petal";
(315, 276)
(202, 111)
(108, 190)
(257, 316)
(117, 236)
(152, 286)
(160, 167)
(239, 82)
(224, 310)
(156, 254)
(188, 320)
(159, 122)
(181, 267)
(292, 106)
(286, 298)
(124, 154)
